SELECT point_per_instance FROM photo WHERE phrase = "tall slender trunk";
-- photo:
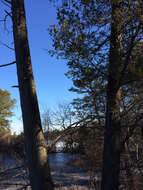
(112, 135)
(39, 171)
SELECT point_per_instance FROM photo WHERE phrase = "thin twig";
(6, 45)
(8, 13)
(5, 3)
(9, 2)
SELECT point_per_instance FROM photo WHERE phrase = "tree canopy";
(102, 43)
(82, 37)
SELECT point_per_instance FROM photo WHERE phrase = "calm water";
(56, 159)
(61, 159)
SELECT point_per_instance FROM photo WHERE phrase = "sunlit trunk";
(40, 177)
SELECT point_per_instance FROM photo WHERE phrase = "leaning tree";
(36, 151)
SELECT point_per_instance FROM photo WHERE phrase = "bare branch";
(8, 64)
(4, 20)
(6, 16)
(8, 13)
(15, 86)
(5, 3)
(69, 130)
(6, 45)
(8, 170)
(9, 2)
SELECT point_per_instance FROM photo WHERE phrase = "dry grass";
(78, 163)
(75, 188)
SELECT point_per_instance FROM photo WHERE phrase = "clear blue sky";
(51, 84)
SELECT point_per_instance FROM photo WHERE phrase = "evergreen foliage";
(82, 37)
(102, 43)
(6, 104)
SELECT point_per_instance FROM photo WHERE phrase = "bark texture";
(112, 141)
(39, 171)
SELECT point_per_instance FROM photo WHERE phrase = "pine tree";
(6, 104)
(98, 39)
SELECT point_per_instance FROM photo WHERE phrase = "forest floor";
(65, 177)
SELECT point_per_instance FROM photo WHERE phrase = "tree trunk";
(39, 171)
(112, 135)
(130, 177)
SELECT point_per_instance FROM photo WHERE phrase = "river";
(55, 159)
(61, 159)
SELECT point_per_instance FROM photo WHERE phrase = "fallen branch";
(8, 184)
(11, 169)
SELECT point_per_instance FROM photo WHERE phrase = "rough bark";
(39, 171)
(112, 135)
(130, 176)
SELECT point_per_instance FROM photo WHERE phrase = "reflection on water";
(61, 159)
(59, 146)
(56, 159)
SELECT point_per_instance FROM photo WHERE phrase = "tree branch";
(130, 133)
(9, 2)
(8, 13)
(15, 86)
(6, 45)
(8, 64)
(68, 130)
(129, 52)
(6, 4)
